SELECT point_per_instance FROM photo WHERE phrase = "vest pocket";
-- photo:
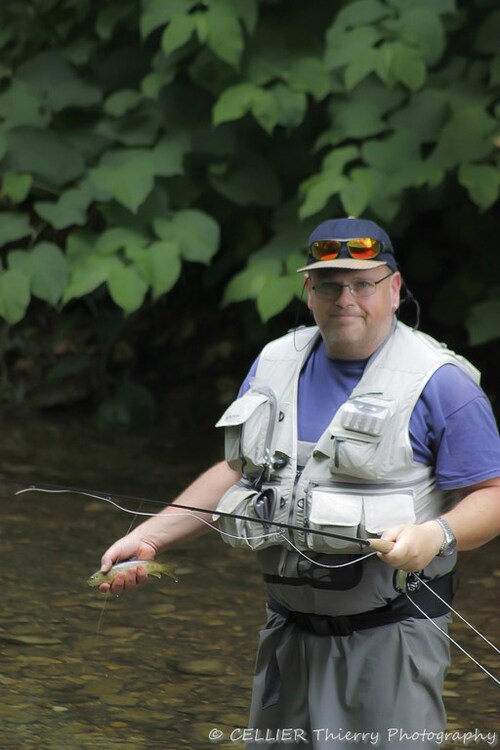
(248, 428)
(355, 456)
(381, 511)
(336, 512)
(249, 533)
(358, 513)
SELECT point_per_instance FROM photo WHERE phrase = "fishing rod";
(373, 544)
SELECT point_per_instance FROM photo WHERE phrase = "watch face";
(448, 548)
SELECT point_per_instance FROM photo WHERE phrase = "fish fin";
(168, 570)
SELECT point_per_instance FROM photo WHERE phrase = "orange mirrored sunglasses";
(362, 248)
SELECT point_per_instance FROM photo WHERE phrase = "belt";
(396, 610)
(400, 608)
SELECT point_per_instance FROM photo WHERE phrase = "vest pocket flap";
(254, 528)
(391, 509)
(240, 410)
(335, 509)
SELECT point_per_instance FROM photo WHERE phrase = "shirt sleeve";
(453, 428)
(251, 374)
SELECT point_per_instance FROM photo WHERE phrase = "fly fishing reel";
(407, 582)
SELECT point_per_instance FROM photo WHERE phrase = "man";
(357, 428)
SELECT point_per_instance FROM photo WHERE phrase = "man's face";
(354, 327)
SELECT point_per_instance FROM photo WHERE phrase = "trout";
(152, 568)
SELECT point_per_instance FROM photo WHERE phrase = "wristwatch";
(449, 543)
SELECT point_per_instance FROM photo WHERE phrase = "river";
(165, 666)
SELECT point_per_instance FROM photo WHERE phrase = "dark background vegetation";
(162, 163)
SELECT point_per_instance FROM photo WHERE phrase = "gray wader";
(379, 687)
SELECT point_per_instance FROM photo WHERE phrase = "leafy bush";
(136, 138)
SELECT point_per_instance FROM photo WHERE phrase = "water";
(159, 668)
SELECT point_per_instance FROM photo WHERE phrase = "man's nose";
(345, 296)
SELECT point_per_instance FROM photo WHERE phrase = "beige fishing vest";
(360, 477)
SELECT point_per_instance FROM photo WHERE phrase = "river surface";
(161, 668)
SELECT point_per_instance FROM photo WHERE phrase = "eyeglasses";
(331, 290)
(363, 248)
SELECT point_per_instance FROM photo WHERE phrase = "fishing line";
(108, 499)
(495, 679)
(458, 614)
(324, 565)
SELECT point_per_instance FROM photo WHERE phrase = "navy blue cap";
(351, 228)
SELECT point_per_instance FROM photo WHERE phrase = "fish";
(152, 568)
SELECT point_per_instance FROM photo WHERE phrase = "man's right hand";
(124, 549)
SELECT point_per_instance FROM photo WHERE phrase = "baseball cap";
(349, 256)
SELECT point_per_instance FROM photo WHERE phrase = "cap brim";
(349, 263)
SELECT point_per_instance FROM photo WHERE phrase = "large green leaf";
(363, 113)
(318, 190)
(167, 156)
(224, 33)
(343, 47)
(120, 238)
(127, 287)
(234, 102)
(121, 102)
(483, 322)
(16, 186)
(47, 269)
(265, 109)
(14, 226)
(361, 12)
(197, 234)
(276, 295)
(482, 182)
(386, 154)
(159, 12)
(88, 274)
(14, 295)
(425, 114)
(421, 28)
(464, 139)
(56, 83)
(357, 191)
(309, 76)
(47, 156)
(407, 65)
(19, 105)
(70, 209)
(248, 284)
(179, 31)
(330, 181)
(291, 105)
(127, 175)
(161, 266)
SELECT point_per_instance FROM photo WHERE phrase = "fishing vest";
(359, 478)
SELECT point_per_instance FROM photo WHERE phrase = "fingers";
(124, 582)
(415, 546)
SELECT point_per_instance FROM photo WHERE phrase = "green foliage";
(138, 139)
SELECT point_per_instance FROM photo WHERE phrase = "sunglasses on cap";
(362, 248)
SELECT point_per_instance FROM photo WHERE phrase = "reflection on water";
(160, 668)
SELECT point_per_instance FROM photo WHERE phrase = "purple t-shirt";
(452, 426)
